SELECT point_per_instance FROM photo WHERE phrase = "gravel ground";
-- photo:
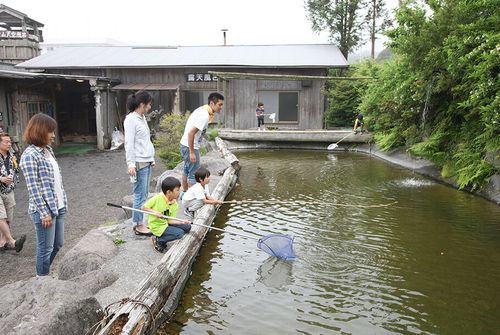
(90, 181)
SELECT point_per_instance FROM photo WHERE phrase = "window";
(38, 107)
(284, 104)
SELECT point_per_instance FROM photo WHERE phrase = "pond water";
(428, 264)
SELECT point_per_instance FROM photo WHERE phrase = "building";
(287, 78)
(19, 36)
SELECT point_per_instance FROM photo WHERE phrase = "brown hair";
(39, 126)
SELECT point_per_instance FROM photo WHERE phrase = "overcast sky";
(171, 22)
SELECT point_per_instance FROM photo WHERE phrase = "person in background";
(9, 177)
(358, 124)
(196, 124)
(47, 199)
(199, 194)
(139, 153)
(259, 112)
(165, 203)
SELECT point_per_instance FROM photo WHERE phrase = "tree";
(377, 20)
(340, 18)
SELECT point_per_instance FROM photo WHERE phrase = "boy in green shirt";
(165, 203)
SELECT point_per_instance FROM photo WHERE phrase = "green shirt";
(159, 203)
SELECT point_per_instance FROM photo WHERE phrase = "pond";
(428, 264)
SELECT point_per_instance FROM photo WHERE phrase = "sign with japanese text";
(17, 34)
(193, 77)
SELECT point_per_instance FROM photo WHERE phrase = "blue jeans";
(48, 241)
(189, 167)
(173, 232)
(141, 190)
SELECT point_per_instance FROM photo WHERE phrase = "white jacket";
(138, 146)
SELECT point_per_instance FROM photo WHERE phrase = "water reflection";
(275, 273)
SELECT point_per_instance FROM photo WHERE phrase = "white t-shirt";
(196, 192)
(198, 119)
(57, 181)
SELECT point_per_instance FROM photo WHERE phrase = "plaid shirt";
(39, 176)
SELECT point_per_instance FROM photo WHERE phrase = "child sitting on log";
(165, 204)
(199, 194)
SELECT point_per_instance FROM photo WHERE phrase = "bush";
(344, 95)
(168, 138)
(212, 133)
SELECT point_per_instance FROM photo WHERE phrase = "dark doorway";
(75, 108)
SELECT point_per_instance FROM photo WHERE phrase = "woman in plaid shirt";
(47, 199)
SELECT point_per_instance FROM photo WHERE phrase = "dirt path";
(90, 181)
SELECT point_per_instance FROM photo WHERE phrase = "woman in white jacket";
(139, 152)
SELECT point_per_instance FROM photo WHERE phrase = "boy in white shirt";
(199, 194)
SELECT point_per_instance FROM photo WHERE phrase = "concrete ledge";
(304, 136)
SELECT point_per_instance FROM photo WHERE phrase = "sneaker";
(188, 213)
(158, 247)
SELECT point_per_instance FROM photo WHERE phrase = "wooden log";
(265, 76)
(137, 315)
(227, 154)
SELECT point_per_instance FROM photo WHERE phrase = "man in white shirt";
(190, 141)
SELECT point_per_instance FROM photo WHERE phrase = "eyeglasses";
(166, 212)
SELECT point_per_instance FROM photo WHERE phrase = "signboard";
(14, 34)
(200, 77)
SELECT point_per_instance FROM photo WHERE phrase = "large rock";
(89, 254)
(47, 306)
(97, 280)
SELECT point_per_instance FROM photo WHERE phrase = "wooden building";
(287, 78)
(67, 98)
(19, 36)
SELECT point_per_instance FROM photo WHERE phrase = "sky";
(171, 22)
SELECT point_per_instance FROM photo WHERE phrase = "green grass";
(75, 148)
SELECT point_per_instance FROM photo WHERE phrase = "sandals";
(140, 233)
(18, 246)
(20, 243)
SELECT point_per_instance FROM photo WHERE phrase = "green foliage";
(118, 241)
(344, 95)
(167, 140)
(387, 141)
(212, 133)
(439, 94)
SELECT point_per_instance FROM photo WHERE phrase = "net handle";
(174, 218)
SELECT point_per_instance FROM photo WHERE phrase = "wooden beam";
(263, 76)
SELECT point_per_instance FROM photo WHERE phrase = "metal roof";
(21, 74)
(290, 55)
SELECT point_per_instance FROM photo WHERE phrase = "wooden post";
(228, 155)
(137, 314)
(99, 120)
